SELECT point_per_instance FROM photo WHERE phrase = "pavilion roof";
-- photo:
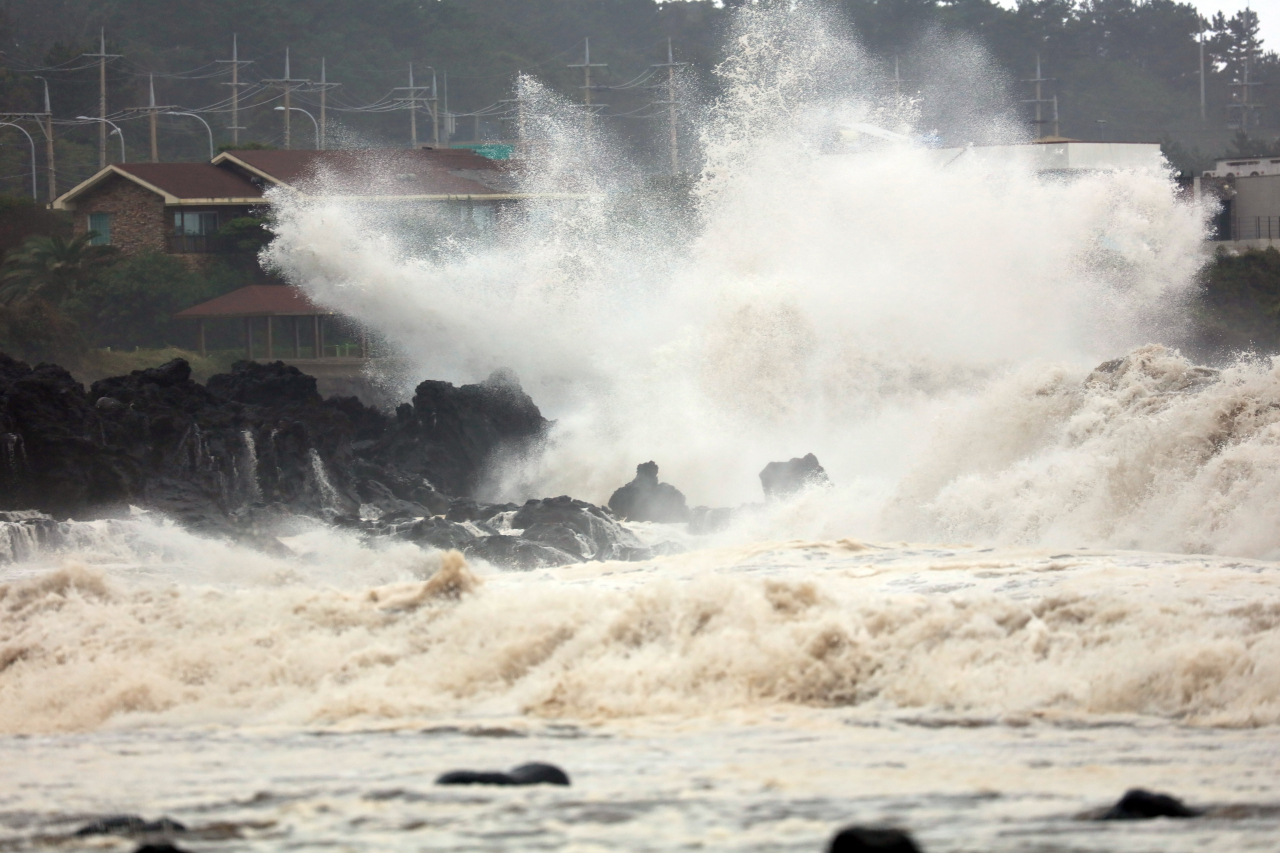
(256, 300)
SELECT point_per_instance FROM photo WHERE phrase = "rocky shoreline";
(259, 444)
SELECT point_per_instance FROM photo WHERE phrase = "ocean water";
(1044, 573)
(742, 697)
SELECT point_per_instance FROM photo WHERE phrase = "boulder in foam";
(535, 773)
(129, 824)
(646, 499)
(1140, 804)
(600, 535)
(784, 479)
(867, 839)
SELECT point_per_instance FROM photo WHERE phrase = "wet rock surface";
(784, 479)
(1140, 804)
(526, 774)
(646, 499)
(256, 446)
(862, 839)
(129, 824)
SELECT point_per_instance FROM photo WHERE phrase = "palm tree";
(52, 268)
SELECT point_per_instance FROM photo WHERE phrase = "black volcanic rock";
(864, 839)
(645, 499)
(199, 456)
(526, 774)
(518, 553)
(451, 434)
(129, 824)
(274, 384)
(598, 534)
(52, 453)
(257, 446)
(783, 479)
(1139, 804)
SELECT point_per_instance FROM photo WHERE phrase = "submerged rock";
(705, 519)
(526, 774)
(591, 530)
(862, 839)
(129, 824)
(645, 499)
(518, 553)
(783, 479)
(1140, 804)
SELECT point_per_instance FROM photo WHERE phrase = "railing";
(194, 244)
(1255, 228)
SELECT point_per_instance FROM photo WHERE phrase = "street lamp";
(313, 121)
(206, 127)
(117, 131)
(32, 142)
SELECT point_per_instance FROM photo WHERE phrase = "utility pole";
(1040, 101)
(1202, 113)
(102, 56)
(325, 86)
(48, 141)
(288, 84)
(448, 117)
(235, 62)
(521, 146)
(435, 113)
(586, 65)
(1246, 106)
(153, 111)
(413, 99)
(671, 65)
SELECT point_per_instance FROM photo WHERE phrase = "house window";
(188, 224)
(101, 223)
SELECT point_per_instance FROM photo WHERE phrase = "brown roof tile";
(193, 180)
(383, 171)
(256, 300)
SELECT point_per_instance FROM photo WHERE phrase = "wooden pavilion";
(277, 305)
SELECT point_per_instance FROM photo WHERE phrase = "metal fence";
(1255, 228)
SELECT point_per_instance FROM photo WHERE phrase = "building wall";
(138, 220)
(1255, 208)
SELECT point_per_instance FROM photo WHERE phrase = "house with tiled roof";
(178, 208)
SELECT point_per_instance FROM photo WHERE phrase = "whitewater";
(1044, 571)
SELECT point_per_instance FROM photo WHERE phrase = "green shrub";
(132, 304)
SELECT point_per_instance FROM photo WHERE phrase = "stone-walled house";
(178, 208)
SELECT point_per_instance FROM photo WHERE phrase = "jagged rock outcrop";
(52, 453)
(257, 436)
(257, 445)
(784, 479)
(447, 435)
(646, 499)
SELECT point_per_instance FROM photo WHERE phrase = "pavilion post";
(248, 338)
(269, 347)
(200, 337)
(319, 335)
(364, 343)
(297, 337)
